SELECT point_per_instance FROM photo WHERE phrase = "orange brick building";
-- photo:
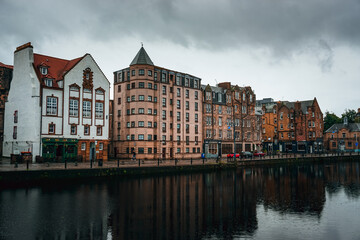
(291, 126)
(157, 112)
(342, 137)
(225, 106)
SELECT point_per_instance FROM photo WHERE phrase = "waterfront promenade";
(5, 165)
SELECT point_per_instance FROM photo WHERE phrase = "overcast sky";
(284, 49)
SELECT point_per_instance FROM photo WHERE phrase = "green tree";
(350, 114)
(330, 119)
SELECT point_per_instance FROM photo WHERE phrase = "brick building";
(342, 137)
(157, 112)
(223, 107)
(6, 72)
(291, 126)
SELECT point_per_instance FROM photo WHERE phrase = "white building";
(56, 108)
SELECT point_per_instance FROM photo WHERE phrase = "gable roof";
(142, 58)
(57, 67)
(352, 127)
(6, 66)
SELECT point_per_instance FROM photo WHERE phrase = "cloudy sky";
(284, 49)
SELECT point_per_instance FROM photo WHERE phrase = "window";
(196, 106)
(187, 105)
(141, 123)
(164, 90)
(86, 130)
(51, 106)
(43, 70)
(178, 92)
(164, 102)
(149, 73)
(101, 146)
(186, 82)
(51, 128)
(141, 98)
(196, 117)
(150, 85)
(141, 72)
(187, 93)
(73, 130)
(119, 88)
(99, 110)
(132, 72)
(141, 110)
(149, 111)
(141, 85)
(15, 116)
(149, 137)
(48, 82)
(83, 146)
(178, 104)
(149, 124)
(163, 78)
(86, 109)
(178, 116)
(155, 99)
(344, 135)
(196, 95)
(196, 83)
(163, 114)
(98, 130)
(141, 137)
(149, 98)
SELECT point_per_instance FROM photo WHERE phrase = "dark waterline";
(305, 201)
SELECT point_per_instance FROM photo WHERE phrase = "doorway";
(92, 151)
(59, 153)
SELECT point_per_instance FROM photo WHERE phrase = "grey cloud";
(283, 26)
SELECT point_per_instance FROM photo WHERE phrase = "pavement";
(5, 165)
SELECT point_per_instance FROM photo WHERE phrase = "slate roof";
(352, 127)
(142, 58)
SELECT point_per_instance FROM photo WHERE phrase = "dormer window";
(48, 82)
(61, 84)
(43, 70)
(87, 76)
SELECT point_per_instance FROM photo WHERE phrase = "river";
(303, 201)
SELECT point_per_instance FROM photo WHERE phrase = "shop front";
(59, 149)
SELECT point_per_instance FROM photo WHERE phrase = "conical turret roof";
(142, 58)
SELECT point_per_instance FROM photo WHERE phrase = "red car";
(259, 154)
(231, 155)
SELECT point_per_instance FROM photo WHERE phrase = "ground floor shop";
(275, 147)
(66, 149)
(218, 148)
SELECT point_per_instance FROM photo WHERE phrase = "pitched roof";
(352, 127)
(142, 58)
(6, 66)
(57, 68)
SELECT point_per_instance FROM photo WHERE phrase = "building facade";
(6, 72)
(57, 108)
(294, 127)
(229, 118)
(342, 137)
(157, 112)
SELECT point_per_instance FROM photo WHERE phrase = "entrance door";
(92, 151)
(59, 153)
(163, 153)
(171, 152)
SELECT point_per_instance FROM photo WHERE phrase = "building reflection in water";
(221, 204)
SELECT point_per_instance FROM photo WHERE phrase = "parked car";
(246, 154)
(231, 155)
(259, 154)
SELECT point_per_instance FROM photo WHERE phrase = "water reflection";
(222, 204)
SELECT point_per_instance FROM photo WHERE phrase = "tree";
(350, 114)
(330, 119)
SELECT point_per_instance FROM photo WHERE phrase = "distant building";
(342, 137)
(157, 112)
(294, 127)
(6, 72)
(57, 108)
(225, 107)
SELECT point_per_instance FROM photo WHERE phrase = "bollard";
(190, 161)
(91, 163)
(27, 165)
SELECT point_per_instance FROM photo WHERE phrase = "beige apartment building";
(225, 107)
(157, 112)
